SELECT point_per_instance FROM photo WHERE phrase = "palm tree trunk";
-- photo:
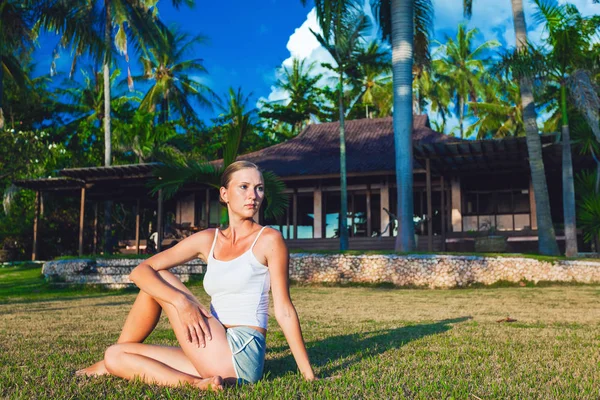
(402, 60)
(106, 68)
(343, 185)
(568, 181)
(546, 237)
(107, 136)
(1, 93)
(461, 115)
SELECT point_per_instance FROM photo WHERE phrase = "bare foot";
(97, 369)
(215, 383)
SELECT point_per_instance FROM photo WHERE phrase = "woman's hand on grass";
(193, 316)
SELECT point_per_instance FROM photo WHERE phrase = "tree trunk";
(106, 68)
(402, 60)
(1, 93)
(461, 115)
(568, 181)
(546, 237)
(343, 185)
(107, 138)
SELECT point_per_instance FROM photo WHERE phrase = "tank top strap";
(212, 248)
(257, 236)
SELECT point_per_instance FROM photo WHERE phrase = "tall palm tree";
(461, 68)
(407, 25)
(560, 65)
(341, 35)
(173, 90)
(237, 119)
(300, 84)
(546, 236)
(136, 21)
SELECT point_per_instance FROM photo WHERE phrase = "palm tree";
(137, 22)
(430, 90)
(21, 21)
(371, 75)
(570, 40)
(461, 68)
(172, 86)
(341, 36)
(237, 121)
(406, 24)
(145, 139)
(300, 84)
(546, 236)
(499, 114)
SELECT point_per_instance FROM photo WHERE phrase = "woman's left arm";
(285, 313)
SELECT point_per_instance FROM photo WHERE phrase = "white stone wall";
(433, 271)
(110, 273)
(437, 271)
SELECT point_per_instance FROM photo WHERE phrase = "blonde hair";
(230, 170)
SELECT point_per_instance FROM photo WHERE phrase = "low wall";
(110, 273)
(437, 271)
(433, 271)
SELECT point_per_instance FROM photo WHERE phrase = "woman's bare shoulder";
(273, 239)
(203, 241)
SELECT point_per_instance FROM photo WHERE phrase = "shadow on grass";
(353, 348)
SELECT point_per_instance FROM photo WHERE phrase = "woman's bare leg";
(140, 322)
(166, 367)
(161, 365)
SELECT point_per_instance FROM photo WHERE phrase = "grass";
(369, 342)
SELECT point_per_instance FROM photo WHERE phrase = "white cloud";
(303, 45)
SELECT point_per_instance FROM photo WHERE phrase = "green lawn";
(370, 343)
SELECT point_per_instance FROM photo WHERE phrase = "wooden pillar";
(137, 227)
(81, 219)
(369, 222)
(34, 252)
(385, 203)
(318, 213)
(207, 207)
(95, 244)
(429, 211)
(532, 208)
(443, 200)
(295, 215)
(159, 221)
(456, 203)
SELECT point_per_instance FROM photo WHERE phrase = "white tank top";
(239, 288)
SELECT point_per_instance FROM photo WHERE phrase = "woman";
(227, 343)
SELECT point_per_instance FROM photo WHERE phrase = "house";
(461, 188)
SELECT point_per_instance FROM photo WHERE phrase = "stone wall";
(111, 273)
(437, 271)
(433, 271)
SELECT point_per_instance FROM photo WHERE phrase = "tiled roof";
(316, 150)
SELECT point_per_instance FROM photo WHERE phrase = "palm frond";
(171, 177)
(277, 200)
(585, 96)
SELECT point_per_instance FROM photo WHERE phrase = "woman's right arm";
(190, 311)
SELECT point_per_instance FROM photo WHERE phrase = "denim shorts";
(248, 348)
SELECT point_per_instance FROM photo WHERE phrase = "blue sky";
(249, 40)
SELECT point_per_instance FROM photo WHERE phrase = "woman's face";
(245, 192)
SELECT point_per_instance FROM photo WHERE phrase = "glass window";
(504, 203)
(305, 216)
(485, 203)
(521, 199)
(470, 203)
(332, 214)
(359, 215)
